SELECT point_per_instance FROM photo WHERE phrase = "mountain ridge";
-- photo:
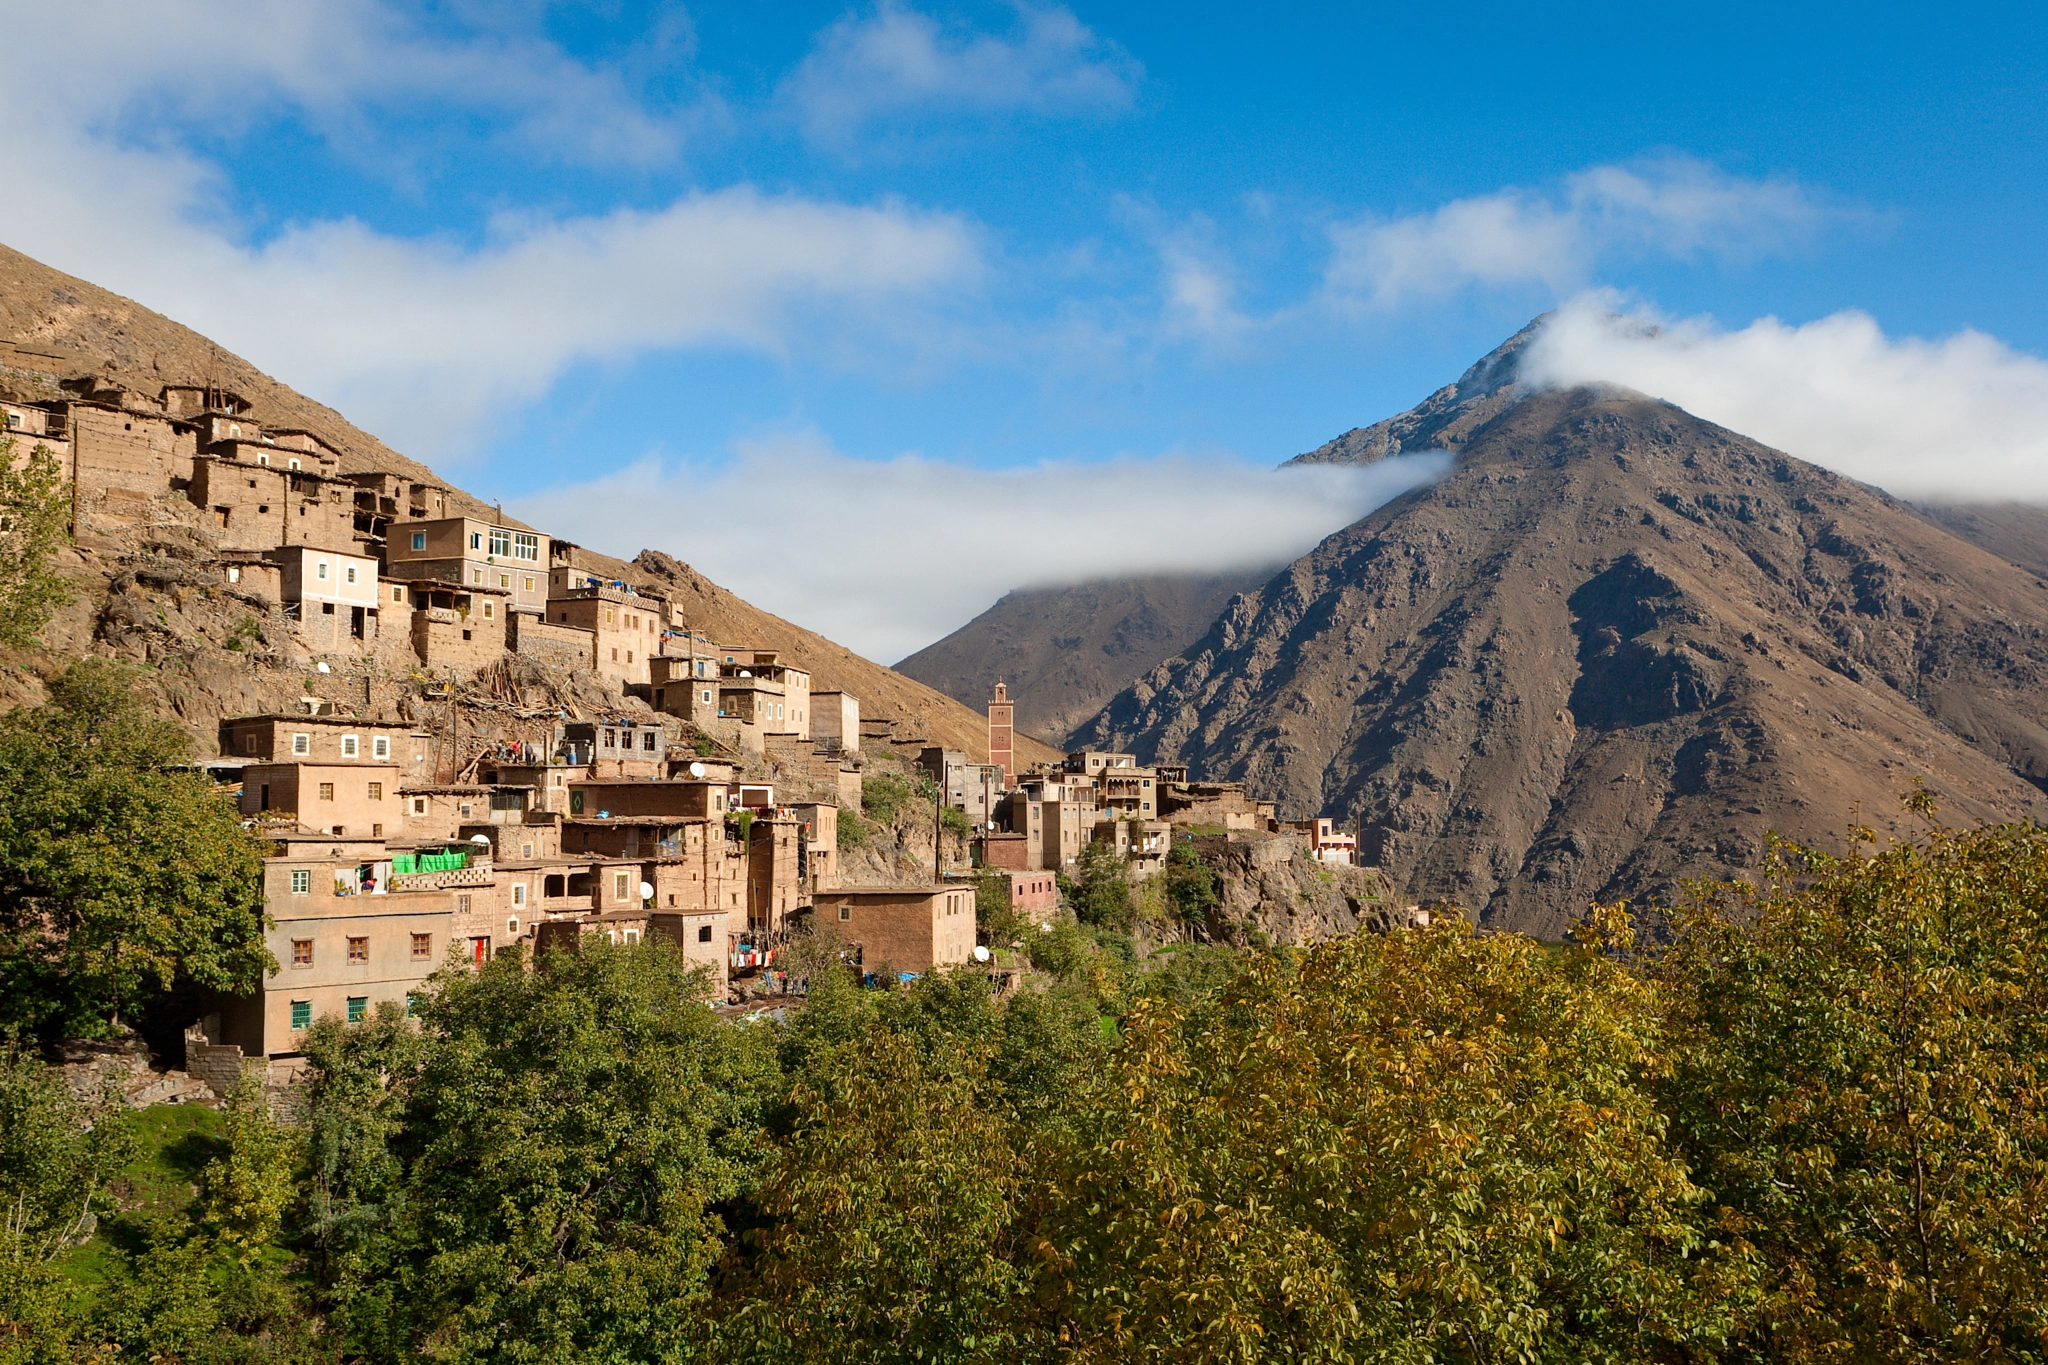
(1612, 649)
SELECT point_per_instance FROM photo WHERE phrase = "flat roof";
(311, 720)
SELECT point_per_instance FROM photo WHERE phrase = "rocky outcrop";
(1274, 892)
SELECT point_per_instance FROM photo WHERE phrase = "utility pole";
(937, 797)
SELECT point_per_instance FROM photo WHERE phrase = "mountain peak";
(1446, 417)
(1612, 649)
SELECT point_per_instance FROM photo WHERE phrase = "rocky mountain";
(1066, 651)
(1613, 649)
(148, 587)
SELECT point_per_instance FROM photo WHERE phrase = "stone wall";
(559, 646)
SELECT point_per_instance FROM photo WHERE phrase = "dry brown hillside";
(145, 590)
(1066, 651)
(1614, 648)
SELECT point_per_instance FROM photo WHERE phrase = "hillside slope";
(1066, 651)
(146, 591)
(1614, 648)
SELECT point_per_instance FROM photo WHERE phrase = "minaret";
(1002, 731)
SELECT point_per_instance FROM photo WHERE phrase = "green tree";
(566, 1140)
(245, 1190)
(351, 1104)
(1193, 888)
(35, 512)
(57, 1159)
(1100, 888)
(1422, 1147)
(123, 873)
(1859, 1079)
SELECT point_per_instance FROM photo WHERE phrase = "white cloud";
(899, 62)
(1965, 417)
(889, 556)
(230, 63)
(1674, 206)
(419, 339)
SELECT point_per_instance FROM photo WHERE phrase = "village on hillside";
(699, 805)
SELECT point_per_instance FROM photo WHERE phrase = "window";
(504, 580)
(326, 791)
(609, 615)
(302, 952)
(358, 1008)
(376, 791)
(302, 745)
(615, 656)
(349, 574)
(526, 546)
(529, 585)
(629, 656)
(476, 540)
(519, 893)
(632, 936)
(846, 912)
(647, 741)
(291, 464)
(512, 926)
(377, 831)
(609, 737)
(348, 746)
(422, 947)
(619, 886)
(302, 881)
(380, 747)
(398, 594)
(302, 1014)
(575, 803)
(476, 576)
(707, 696)
(487, 610)
(462, 905)
(419, 540)
(501, 542)
(419, 805)
(358, 950)
(704, 934)
(320, 571)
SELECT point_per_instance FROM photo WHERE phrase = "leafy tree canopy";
(123, 873)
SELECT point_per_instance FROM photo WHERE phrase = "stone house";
(340, 799)
(1127, 793)
(276, 738)
(457, 629)
(835, 721)
(346, 933)
(332, 594)
(909, 929)
(509, 560)
(1143, 844)
(627, 626)
(616, 748)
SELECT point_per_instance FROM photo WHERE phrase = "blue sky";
(653, 271)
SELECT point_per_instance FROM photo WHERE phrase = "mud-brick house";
(349, 930)
(911, 929)
(505, 558)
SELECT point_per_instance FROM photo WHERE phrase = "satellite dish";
(980, 953)
(646, 891)
(484, 839)
(323, 668)
(696, 770)
(745, 674)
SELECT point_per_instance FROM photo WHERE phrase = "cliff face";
(1614, 648)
